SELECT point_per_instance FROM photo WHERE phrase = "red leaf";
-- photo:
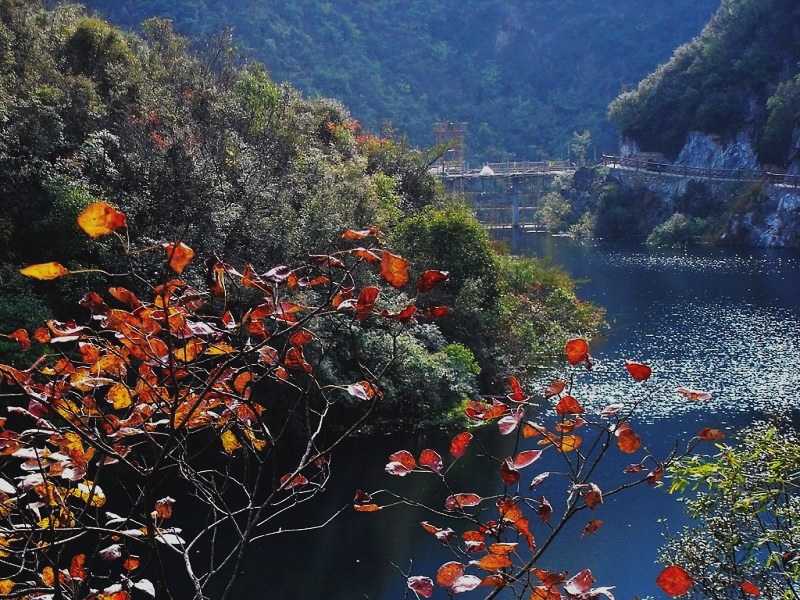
(508, 473)
(638, 371)
(401, 463)
(462, 501)
(576, 350)
(301, 338)
(593, 496)
(366, 302)
(363, 390)
(394, 269)
(655, 475)
(404, 316)
(525, 458)
(674, 581)
(591, 527)
(430, 279)
(421, 586)
(431, 459)
(517, 395)
(554, 389)
(295, 360)
(21, 337)
(750, 589)
(437, 312)
(296, 481)
(326, 261)
(544, 510)
(709, 434)
(568, 406)
(459, 444)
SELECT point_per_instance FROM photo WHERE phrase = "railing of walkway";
(510, 168)
(773, 177)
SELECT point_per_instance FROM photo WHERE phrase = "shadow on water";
(725, 320)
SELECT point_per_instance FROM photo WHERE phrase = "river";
(719, 319)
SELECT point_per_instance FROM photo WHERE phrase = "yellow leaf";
(100, 219)
(190, 351)
(229, 441)
(45, 271)
(119, 396)
(6, 585)
(220, 348)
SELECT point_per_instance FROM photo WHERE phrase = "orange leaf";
(568, 406)
(366, 255)
(576, 350)
(394, 269)
(709, 434)
(430, 279)
(448, 573)
(179, 255)
(545, 593)
(493, 562)
(554, 389)
(41, 335)
(638, 371)
(125, 296)
(6, 585)
(503, 548)
(119, 396)
(45, 271)
(164, 507)
(366, 507)
(628, 441)
(301, 338)
(674, 580)
(21, 337)
(358, 234)
(100, 219)
(131, 563)
(750, 589)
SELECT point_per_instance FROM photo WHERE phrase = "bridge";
(508, 193)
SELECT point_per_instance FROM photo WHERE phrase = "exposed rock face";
(628, 147)
(794, 157)
(704, 151)
(775, 223)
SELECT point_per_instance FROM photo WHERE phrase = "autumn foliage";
(145, 430)
(507, 529)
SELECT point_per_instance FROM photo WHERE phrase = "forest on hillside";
(741, 74)
(524, 75)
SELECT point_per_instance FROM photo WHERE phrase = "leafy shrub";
(678, 230)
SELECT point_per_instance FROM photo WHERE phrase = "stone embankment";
(762, 210)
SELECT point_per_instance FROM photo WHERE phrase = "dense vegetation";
(741, 73)
(746, 509)
(195, 148)
(524, 75)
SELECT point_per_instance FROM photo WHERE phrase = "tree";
(157, 423)
(504, 535)
(745, 540)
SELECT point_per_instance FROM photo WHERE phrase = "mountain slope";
(524, 75)
(740, 75)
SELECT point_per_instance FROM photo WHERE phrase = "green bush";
(678, 230)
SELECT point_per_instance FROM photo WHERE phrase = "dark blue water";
(721, 320)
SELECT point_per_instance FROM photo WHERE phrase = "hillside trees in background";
(739, 74)
(524, 75)
(199, 148)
